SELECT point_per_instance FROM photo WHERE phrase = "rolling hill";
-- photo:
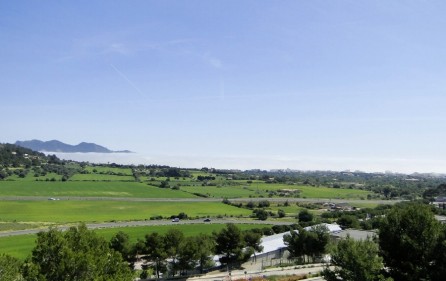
(58, 146)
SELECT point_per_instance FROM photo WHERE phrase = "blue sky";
(306, 85)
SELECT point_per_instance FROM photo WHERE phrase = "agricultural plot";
(18, 246)
(220, 192)
(84, 185)
(314, 192)
(31, 177)
(101, 177)
(87, 189)
(102, 211)
(108, 170)
(156, 181)
(275, 190)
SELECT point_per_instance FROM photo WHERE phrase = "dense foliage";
(230, 245)
(355, 260)
(16, 160)
(10, 268)
(16, 156)
(307, 243)
(77, 254)
(412, 243)
(411, 246)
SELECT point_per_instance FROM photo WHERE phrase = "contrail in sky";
(128, 80)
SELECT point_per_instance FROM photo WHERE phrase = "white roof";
(332, 228)
(275, 242)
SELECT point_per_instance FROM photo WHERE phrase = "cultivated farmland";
(99, 194)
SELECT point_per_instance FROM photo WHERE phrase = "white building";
(275, 248)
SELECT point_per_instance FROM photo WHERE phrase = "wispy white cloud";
(213, 61)
(118, 48)
(87, 48)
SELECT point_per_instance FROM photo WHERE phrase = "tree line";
(80, 254)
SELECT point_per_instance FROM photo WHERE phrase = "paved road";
(142, 223)
(137, 199)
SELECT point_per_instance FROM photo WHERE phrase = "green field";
(21, 246)
(101, 211)
(17, 246)
(104, 169)
(30, 177)
(87, 189)
(315, 192)
(221, 192)
(263, 189)
(105, 185)
(100, 177)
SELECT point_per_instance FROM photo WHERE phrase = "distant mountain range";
(58, 146)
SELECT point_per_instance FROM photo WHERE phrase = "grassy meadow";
(315, 192)
(88, 189)
(63, 211)
(105, 170)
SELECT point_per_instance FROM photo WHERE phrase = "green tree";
(250, 205)
(188, 251)
(77, 254)
(253, 241)
(281, 213)
(348, 221)
(438, 267)
(120, 242)
(264, 204)
(408, 239)
(155, 250)
(10, 268)
(205, 251)
(172, 241)
(431, 193)
(301, 243)
(260, 214)
(317, 241)
(355, 260)
(305, 217)
(295, 242)
(229, 243)
(137, 250)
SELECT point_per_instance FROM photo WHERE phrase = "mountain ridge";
(58, 146)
